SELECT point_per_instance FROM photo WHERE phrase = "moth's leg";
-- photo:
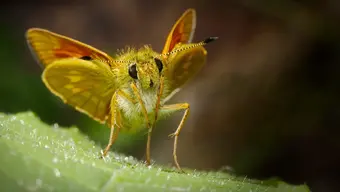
(159, 95)
(136, 92)
(126, 96)
(150, 127)
(114, 122)
(171, 109)
(113, 136)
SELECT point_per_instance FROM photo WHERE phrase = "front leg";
(115, 120)
(139, 98)
(112, 123)
(166, 109)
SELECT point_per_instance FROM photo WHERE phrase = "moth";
(128, 92)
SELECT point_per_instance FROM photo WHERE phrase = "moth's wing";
(184, 64)
(182, 32)
(86, 85)
(48, 47)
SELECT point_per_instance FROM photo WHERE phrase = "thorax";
(131, 109)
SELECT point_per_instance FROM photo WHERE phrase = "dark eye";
(133, 71)
(86, 57)
(159, 64)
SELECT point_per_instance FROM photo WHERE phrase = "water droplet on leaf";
(38, 182)
(57, 172)
(55, 160)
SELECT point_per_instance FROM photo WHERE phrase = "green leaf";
(39, 157)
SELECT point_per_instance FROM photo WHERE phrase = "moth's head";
(146, 72)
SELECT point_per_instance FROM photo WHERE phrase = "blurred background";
(265, 105)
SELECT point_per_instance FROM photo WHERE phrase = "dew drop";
(47, 147)
(13, 118)
(55, 126)
(66, 157)
(22, 122)
(38, 182)
(93, 164)
(159, 171)
(55, 160)
(57, 172)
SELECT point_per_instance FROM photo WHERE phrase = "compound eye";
(133, 71)
(86, 58)
(159, 64)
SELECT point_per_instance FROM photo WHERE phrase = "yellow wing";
(77, 73)
(86, 85)
(182, 32)
(47, 47)
(184, 64)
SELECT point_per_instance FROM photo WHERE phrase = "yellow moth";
(129, 92)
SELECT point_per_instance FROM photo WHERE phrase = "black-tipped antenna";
(206, 41)
(209, 39)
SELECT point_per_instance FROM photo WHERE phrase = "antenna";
(202, 43)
